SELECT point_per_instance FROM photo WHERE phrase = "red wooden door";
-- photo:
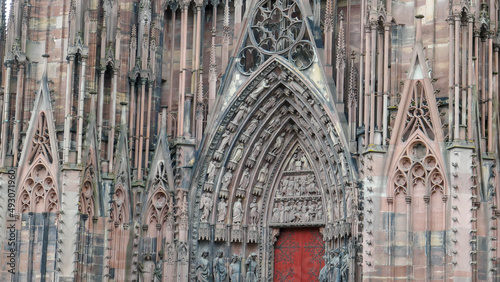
(298, 255)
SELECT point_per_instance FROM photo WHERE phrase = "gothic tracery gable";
(39, 158)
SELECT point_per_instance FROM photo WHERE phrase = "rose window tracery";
(277, 28)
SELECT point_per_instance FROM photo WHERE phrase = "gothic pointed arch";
(121, 205)
(278, 128)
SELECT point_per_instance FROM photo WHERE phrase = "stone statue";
(261, 178)
(251, 127)
(344, 265)
(279, 144)
(253, 212)
(258, 90)
(235, 269)
(147, 269)
(251, 264)
(237, 212)
(239, 115)
(268, 104)
(276, 214)
(274, 123)
(238, 153)
(202, 269)
(158, 271)
(226, 180)
(256, 149)
(225, 140)
(211, 171)
(221, 210)
(220, 270)
(245, 180)
(206, 203)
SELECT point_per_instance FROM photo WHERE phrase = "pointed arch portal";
(276, 165)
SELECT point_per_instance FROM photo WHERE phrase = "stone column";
(102, 71)
(6, 112)
(112, 112)
(387, 29)
(373, 70)
(450, 77)
(187, 114)
(457, 79)
(141, 129)
(183, 70)
(131, 116)
(81, 100)
(148, 124)
(367, 84)
(470, 71)
(67, 111)
(17, 122)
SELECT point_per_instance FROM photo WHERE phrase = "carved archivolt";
(418, 164)
(38, 191)
(275, 148)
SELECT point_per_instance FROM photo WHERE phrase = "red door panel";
(298, 255)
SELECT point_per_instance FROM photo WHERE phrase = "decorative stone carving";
(225, 139)
(261, 180)
(237, 118)
(263, 85)
(213, 167)
(221, 210)
(226, 180)
(254, 215)
(206, 206)
(235, 269)
(219, 267)
(250, 129)
(257, 148)
(252, 266)
(237, 212)
(272, 126)
(220, 232)
(236, 156)
(271, 101)
(202, 269)
(147, 269)
(244, 182)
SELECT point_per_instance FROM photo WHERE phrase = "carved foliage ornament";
(277, 27)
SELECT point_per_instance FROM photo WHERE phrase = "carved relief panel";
(297, 199)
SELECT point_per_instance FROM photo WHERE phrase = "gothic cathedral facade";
(249, 140)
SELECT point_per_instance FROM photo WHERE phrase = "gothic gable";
(39, 160)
